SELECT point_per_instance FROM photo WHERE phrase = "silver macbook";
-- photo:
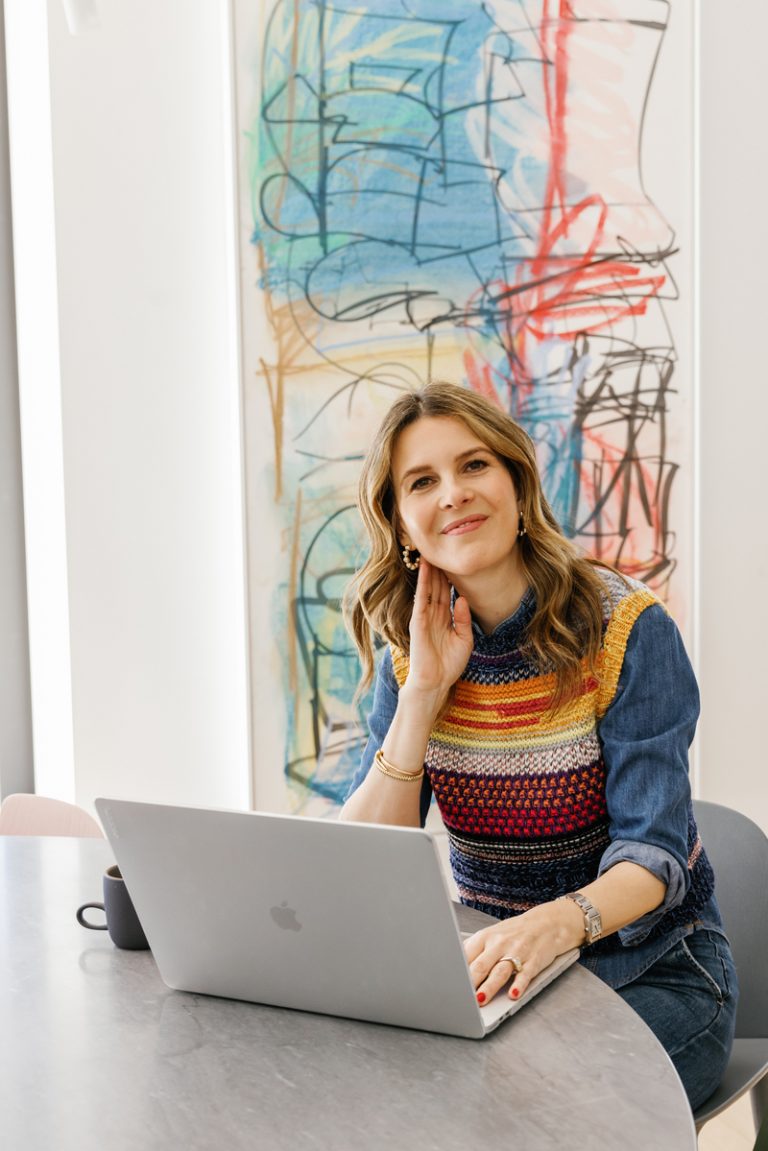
(345, 919)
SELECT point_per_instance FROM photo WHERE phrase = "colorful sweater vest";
(521, 792)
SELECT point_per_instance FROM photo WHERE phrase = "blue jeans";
(688, 999)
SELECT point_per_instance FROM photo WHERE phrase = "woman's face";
(455, 499)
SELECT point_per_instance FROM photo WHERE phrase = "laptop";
(345, 919)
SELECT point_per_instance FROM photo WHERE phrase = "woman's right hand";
(440, 648)
(441, 643)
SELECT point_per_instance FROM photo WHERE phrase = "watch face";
(593, 924)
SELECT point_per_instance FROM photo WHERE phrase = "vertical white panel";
(16, 760)
(29, 114)
(142, 157)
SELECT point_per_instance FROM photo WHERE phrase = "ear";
(400, 536)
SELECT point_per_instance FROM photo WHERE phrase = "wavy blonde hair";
(566, 627)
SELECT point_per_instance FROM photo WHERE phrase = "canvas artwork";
(496, 194)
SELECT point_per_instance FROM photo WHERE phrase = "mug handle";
(84, 922)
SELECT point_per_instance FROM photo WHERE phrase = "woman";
(548, 704)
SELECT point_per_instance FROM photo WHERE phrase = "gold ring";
(517, 963)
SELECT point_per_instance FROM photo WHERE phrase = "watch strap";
(593, 924)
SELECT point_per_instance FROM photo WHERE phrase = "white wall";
(733, 623)
(142, 169)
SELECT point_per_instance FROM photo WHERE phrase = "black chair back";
(738, 851)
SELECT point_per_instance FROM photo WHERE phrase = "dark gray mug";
(122, 922)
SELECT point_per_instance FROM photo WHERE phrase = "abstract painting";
(452, 190)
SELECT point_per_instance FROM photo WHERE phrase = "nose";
(454, 492)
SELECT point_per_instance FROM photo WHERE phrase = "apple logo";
(285, 917)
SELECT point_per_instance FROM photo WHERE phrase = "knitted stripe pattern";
(522, 792)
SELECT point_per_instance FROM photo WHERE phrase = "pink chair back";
(38, 815)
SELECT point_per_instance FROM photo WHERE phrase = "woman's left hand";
(532, 940)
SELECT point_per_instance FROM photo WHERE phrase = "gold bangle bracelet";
(390, 770)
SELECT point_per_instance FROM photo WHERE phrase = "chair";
(738, 850)
(38, 815)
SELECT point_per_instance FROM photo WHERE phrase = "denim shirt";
(645, 735)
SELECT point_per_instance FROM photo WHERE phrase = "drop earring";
(521, 528)
(412, 565)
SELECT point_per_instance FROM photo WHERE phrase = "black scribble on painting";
(628, 478)
(337, 734)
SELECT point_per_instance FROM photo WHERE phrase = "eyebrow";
(420, 468)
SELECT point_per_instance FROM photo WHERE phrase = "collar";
(511, 627)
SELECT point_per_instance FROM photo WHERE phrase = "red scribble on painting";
(560, 295)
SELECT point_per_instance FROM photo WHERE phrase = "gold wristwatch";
(593, 924)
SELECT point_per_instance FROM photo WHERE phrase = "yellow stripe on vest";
(611, 658)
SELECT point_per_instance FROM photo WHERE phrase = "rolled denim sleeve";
(645, 736)
(382, 713)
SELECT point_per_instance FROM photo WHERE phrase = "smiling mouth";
(460, 527)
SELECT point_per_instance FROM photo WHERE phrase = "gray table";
(97, 1053)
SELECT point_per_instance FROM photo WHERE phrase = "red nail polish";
(515, 992)
(481, 997)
